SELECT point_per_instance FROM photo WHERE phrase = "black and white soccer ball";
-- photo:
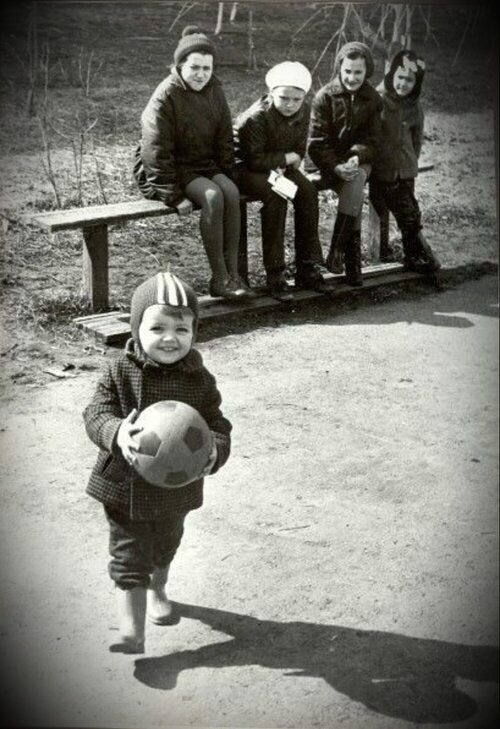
(174, 445)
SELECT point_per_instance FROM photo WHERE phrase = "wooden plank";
(95, 266)
(98, 214)
(74, 218)
(113, 327)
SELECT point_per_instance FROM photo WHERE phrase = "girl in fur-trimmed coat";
(343, 141)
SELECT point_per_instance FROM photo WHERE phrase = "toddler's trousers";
(137, 547)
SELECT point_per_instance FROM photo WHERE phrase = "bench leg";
(95, 266)
(378, 234)
(243, 244)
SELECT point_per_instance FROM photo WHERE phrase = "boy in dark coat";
(186, 156)
(271, 136)
(392, 184)
(146, 522)
(343, 140)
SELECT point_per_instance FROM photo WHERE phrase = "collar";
(177, 80)
(392, 100)
(268, 105)
(337, 89)
(192, 362)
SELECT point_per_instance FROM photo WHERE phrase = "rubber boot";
(342, 232)
(132, 616)
(160, 609)
(352, 257)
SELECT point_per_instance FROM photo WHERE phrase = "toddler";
(146, 522)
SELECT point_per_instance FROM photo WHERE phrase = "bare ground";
(343, 571)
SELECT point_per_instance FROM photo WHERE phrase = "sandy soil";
(343, 570)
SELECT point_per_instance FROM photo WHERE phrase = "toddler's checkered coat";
(131, 382)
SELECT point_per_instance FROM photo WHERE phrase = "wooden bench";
(94, 220)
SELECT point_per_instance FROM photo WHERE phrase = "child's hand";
(211, 461)
(184, 207)
(292, 159)
(124, 437)
(347, 170)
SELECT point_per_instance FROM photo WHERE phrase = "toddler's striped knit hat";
(163, 288)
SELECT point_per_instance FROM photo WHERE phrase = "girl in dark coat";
(186, 156)
(344, 134)
(271, 135)
(392, 184)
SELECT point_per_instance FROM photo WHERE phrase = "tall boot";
(160, 609)
(425, 254)
(132, 617)
(352, 257)
(410, 252)
(342, 232)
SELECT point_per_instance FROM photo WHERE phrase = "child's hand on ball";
(124, 437)
(211, 461)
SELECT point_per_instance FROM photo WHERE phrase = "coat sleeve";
(321, 146)
(103, 415)
(218, 424)
(253, 144)
(158, 148)
(224, 143)
(417, 132)
(367, 148)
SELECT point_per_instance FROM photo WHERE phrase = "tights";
(219, 200)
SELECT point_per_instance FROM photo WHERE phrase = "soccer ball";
(174, 444)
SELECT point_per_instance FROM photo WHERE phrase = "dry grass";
(42, 274)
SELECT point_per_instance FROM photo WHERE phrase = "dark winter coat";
(343, 125)
(132, 381)
(185, 133)
(263, 136)
(402, 127)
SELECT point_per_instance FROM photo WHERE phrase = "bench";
(94, 220)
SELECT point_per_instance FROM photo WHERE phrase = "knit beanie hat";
(289, 73)
(163, 288)
(355, 47)
(192, 41)
(411, 62)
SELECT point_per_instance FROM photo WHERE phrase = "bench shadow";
(395, 675)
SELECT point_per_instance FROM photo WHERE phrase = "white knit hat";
(289, 73)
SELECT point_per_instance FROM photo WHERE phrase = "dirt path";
(343, 571)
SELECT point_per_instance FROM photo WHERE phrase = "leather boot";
(342, 232)
(352, 257)
(410, 253)
(429, 260)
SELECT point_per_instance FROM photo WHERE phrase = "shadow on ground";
(395, 675)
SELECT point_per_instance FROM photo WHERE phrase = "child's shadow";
(398, 676)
